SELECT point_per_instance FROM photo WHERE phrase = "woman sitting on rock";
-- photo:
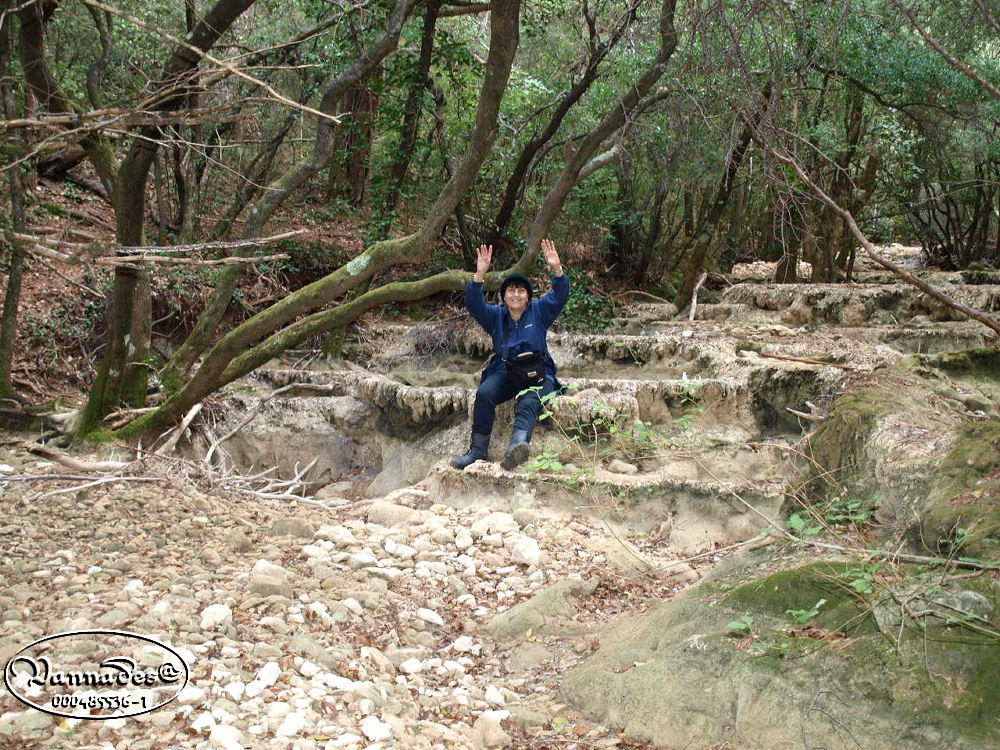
(521, 364)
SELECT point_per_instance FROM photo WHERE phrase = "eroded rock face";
(289, 434)
(681, 675)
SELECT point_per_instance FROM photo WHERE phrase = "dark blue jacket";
(525, 335)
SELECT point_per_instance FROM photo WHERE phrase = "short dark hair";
(517, 279)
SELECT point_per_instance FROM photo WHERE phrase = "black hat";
(517, 279)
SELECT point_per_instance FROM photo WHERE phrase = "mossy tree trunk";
(122, 373)
(11, 302)
(275, 324)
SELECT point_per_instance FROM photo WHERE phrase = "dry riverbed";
(393, 624)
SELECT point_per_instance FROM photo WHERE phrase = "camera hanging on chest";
(524, 370)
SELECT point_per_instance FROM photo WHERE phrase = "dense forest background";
(654, 140)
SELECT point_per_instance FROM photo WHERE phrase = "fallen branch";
(46, 477)
(104, 118)
(122, 417)
(72, 252)
(640, 293)
(233, 261)
(807, 361)
(219, 244)
(815, 418)
(73, 463)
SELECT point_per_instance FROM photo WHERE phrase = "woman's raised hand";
(551, 256)
(483, 259)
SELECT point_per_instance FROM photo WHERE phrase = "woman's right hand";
(483, 259)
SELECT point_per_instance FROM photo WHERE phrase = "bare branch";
(78, 252)
(466, 9)
(601, 160)
(171, 443)
(941, 50)
(111, 117)
(807, 360)
(222, 64)
(694, 294)
(256, 410)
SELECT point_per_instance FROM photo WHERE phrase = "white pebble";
(375, 730)
(227, 737)
(235, 690)
(525, 551)
(463, 644)
(203, 721)
(268, 568)
(216, 616)
(429, 615)
(292, 725)
(411, 666)
(354, 605)
(191, 694)
(269, 673)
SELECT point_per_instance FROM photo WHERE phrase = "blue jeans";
(495, 390)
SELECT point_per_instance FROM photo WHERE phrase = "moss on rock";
(679, 677)
(837, 450)
(962, 514)
(798, 589)
(983, 363)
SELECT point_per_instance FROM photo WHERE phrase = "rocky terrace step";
(852, 304)
(687, 513)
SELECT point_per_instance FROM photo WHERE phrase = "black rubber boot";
(478, 451)
(517, 451)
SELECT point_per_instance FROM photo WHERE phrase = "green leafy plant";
(861, 580)
(741, 627)
(852, 511)
(689, 403)
(802, 616)
(585, 311)
(803, 524)
(545, 461)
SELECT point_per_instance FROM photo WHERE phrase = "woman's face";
(516, 299)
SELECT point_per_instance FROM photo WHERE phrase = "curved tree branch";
(848, 218)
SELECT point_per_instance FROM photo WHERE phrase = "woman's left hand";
(551, 256)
